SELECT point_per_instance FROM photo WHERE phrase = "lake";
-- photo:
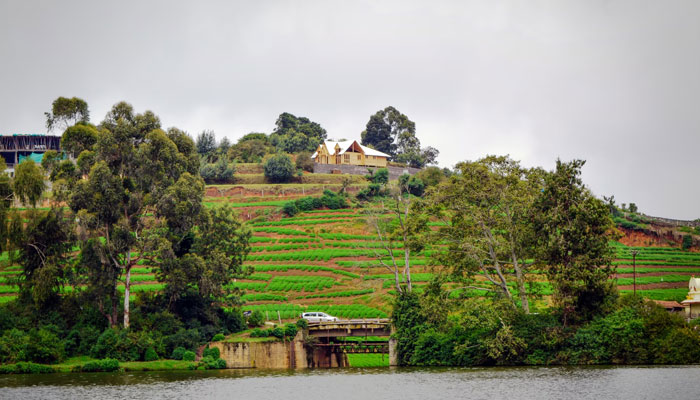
(537, 383)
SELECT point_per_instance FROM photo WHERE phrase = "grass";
(300, 283)
(368, 360)
(678, 294)
(263, 297)
(643, 280)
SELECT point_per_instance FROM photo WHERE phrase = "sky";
(615, 83)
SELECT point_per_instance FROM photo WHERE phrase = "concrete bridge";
(330, 348)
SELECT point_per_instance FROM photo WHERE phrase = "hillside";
(326, 259)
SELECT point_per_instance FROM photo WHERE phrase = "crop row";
(300, 223)
(281, 231)
(292, 311)
(643, 280)
(263, 297)
(311, 268)
(284, 247)
(345, 293)
(315, 255)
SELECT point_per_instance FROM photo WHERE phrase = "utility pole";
(634, 271)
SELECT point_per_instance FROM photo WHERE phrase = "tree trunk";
(127, 286)
(521, 286)
(407, 267)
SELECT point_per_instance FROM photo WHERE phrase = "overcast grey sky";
(613, 82)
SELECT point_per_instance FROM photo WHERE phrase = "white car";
(318, 317)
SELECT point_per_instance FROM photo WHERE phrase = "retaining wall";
(394, 172)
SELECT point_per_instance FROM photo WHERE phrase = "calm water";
(385, 384)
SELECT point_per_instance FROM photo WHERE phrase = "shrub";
(290, 330)
(218, 337)
(43, 347)
(304, 162)
(178, 353)
(277, 332)
(411, 184)
(106, 365)
(290, 208)
(188, 356)
(256, 318)
(150, 355)
(302, 323)
(26, 368)
(212, 352)
(687, 242)
(279, 168)
(212, 363)
(379, 176)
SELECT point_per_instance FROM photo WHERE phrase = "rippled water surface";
(381, 383)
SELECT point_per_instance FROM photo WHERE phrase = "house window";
(347, 157)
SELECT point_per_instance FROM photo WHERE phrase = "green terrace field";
(326, 260)
(662, 273)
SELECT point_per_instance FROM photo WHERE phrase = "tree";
(29, 182)
(134, 165)
(249, 151)
(293, 134)
(206, 143)
(409, 230)
(279, 168)
(219, 172)
(393, 133)
(78, 138)
(573, 230)
(486, 210)
(384, 127)
(66, 112)
(633, 208)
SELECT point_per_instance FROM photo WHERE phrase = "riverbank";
(76, 364)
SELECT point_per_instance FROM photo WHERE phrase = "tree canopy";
(293, 134)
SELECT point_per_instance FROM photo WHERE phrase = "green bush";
(106, 365)
(277, 332)
(687, 242)
(290, 208)
(43, 347)
(212, 363)
(212, 352)
(304, 161)
(218, 337)
(302, 323)
(257, 318)
(188, 356)
(26, 368)
(290, 330)
(178, 353)
(279, 168)
(150, 355)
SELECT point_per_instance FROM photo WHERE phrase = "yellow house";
(349, 153)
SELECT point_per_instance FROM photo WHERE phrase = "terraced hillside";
(325, 260)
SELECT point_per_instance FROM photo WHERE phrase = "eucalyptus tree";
(485, 207)
(133, 163)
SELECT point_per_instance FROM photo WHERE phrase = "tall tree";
(134, 165)
(29, 182)
(573, 229)
(399, 224)
(206, 143)
(293, 134)
(391, 132)
(66, 112)
(486, 209)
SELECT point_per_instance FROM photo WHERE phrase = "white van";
(318, 317)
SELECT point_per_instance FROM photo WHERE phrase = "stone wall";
(275, 355)
(394, 172)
